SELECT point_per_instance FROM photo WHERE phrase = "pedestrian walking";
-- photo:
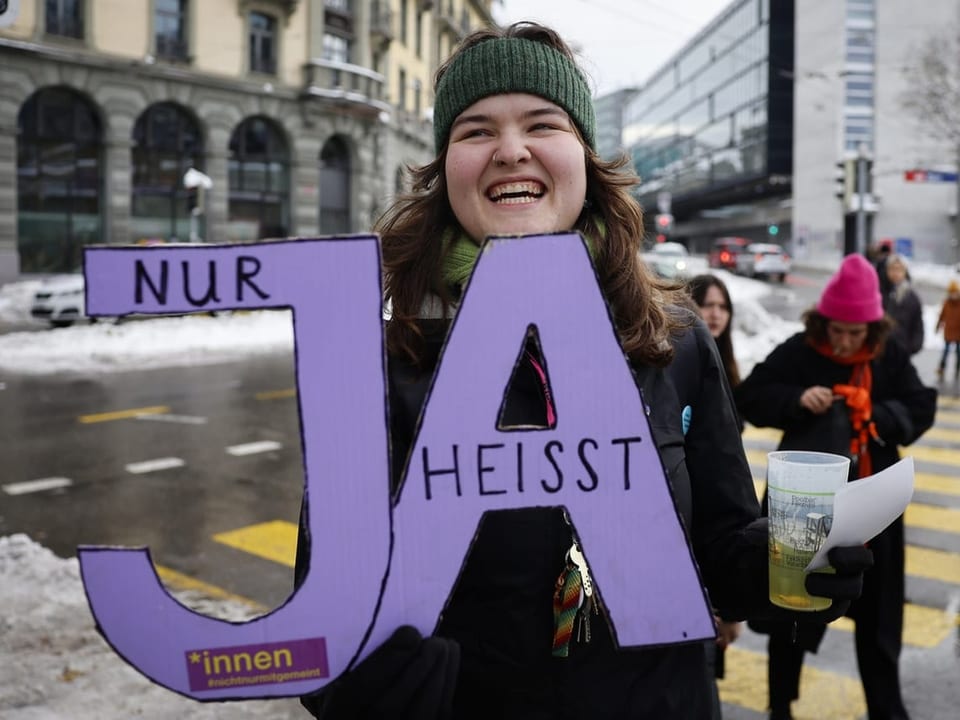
(839, 387)
(949, 323)
(515, 136)
(903, 305)
(712, 298)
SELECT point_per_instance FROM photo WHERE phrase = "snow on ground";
(53, 664)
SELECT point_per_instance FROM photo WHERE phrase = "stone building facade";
(297, 116)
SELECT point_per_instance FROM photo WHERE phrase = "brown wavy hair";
(415, 231)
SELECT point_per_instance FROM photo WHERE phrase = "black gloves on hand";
(845, 585)
(408, 677)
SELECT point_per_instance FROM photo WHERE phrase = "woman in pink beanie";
(839, 387)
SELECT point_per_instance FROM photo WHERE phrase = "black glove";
(846, 584)
(408, 677)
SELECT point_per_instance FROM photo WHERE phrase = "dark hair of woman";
(416, 234)
(815, 326)
(698, 288)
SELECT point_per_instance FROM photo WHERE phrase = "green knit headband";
(512, 65)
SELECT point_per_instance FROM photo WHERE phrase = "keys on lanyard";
(573, 603)
(588, 605)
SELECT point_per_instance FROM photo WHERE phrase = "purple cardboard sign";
(333, 287)
(598, 460)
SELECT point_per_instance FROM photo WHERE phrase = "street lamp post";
(863, 188)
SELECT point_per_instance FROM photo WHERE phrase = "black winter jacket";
(903, 407)
(501, 610)
(907, 314)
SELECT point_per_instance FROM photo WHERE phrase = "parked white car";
(764, 260)
(59, 300)
(669, 260)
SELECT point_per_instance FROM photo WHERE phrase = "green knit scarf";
(463, 254)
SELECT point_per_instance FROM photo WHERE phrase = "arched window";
(259, 181)
(166, 143)
(59, 180)
(334, 188)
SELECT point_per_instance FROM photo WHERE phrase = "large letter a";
(599, 461)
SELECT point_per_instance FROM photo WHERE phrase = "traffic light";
(664, 226)
(773, 230)
(845, 181)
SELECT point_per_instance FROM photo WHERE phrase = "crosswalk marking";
(946, 416)
(933, 564)
(276, 394)
(182, 419)
(275, 541)
(122, 414)
(251, 448)
(931, 482)
(155, 465)
(822, 694)
(178, 581)
(932, 517)
(923, 627)
(32, 486)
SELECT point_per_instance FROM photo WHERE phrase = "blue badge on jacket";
(685, 417)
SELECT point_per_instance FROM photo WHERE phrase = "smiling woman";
(514, 128)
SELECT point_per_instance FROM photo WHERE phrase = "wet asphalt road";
(62, 427)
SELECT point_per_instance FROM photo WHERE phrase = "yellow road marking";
(923, 627)
(932, 517)
(275, 541)
(931, 482)
(933, 564)
(123, 414)
(276, 394)
(922, 481)
(822, 694)
(942, 433)
(941, 456)
(947, 416)
(178, 581)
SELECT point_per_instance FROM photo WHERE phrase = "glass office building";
(713, 127)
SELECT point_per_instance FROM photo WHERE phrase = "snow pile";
(54, 665)
(142, 344)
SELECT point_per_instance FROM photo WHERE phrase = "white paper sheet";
(863, 508)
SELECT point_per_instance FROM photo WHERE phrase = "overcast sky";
(622, 42)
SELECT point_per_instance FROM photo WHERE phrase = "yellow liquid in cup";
(787, 579)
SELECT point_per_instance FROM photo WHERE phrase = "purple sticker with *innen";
(263, 664)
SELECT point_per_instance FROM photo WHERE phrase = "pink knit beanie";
(853, 294)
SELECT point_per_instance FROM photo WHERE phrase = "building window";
(170, 29)
(402, 89)
(342, 6)
(335, 48)
(59, 180)
(334, 188)
(404, 13)
(418, 40)
(64, 18)
(263, 43)
(417, 92)
(166, 143)
(259, 168)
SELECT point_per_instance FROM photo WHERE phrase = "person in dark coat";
(903, 305)
(839, 387)
(514, 128)
(712, 298)
(949, 322)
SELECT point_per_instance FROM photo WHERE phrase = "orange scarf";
(859, 405)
